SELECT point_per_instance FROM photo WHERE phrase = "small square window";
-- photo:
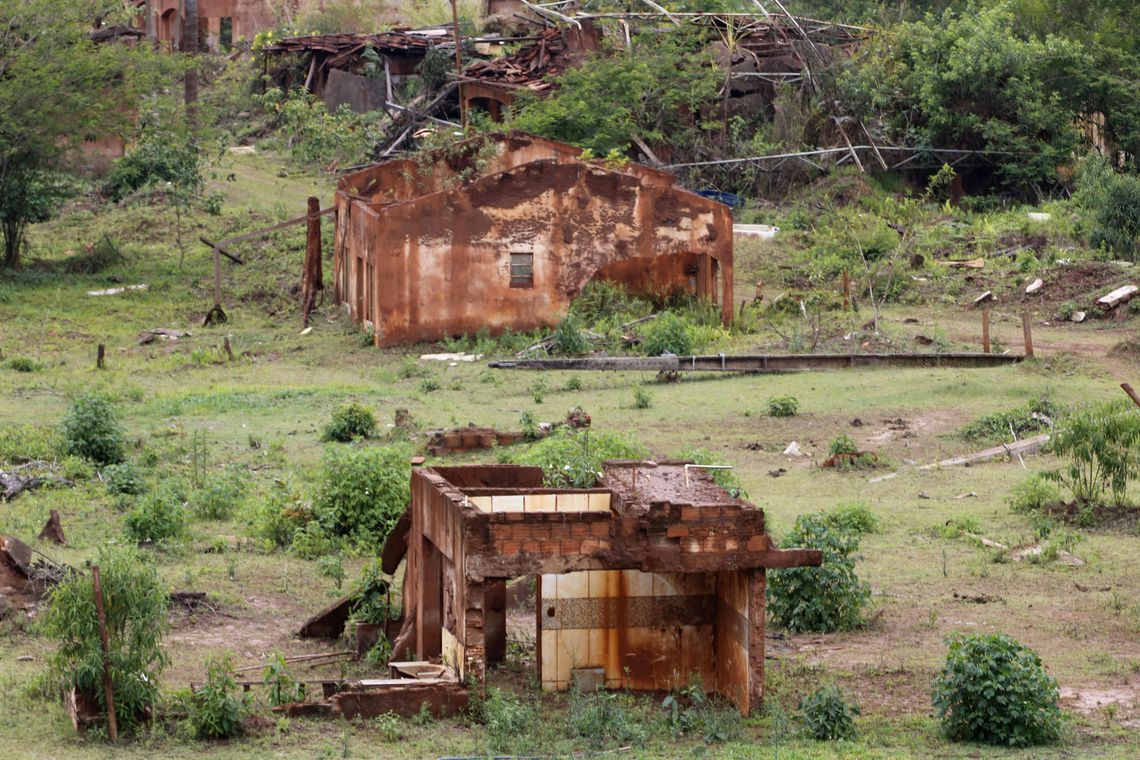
(522, 270)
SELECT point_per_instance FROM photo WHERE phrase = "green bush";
(135, 605)
(994, 690)
(1034, 494)
(312, 541)
(1100, 447)
(605, 719)
(363, 492)
(572, 457)
(827, 716)
(220, 494)
(843, 445)
(783, 406)
(160, 517)
(215, 711)
(642, 397)
(92, 430)
(852, 517)
(507, 718)
(316, 135)
(124, 478)
(284, 689)
(159, 158)
(1029, 418)
(668, 334)
(280, 515)
(371, 596)
(568, 337)
(845, 455)
(819, 599)
(24, 364)
(350, 421)
(692, 712)
(1113, 202)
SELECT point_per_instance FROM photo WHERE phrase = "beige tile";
(603, 583)
(512, 503)
(482, 503)
(573, 502)
(668, 584)
(638, 583)
(598, 502)
(574, 585)
(549, 586)
(548, 668)
(546, 502)
(573, 651)
(596, 647)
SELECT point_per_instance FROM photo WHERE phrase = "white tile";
(598, 502)
(574, 585)
(482, 503)
(546, 502)
(512, 503)
(573, 502)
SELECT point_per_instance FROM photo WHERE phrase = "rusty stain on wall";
(503, 231)
(653, 577)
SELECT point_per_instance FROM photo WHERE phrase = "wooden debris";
(328, 623)
(163, 333)
(318, 657)
(53, 530)
(1117, 297)
(403, 697)
(984, 298)
(1034, 286)
(965, 264)
(1026, 446)
(116, 291)
(1131, 393)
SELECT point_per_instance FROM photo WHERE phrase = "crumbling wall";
(442, 262)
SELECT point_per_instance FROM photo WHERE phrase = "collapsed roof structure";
(503, 231)
(654, 577)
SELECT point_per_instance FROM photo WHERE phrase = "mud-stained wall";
(441, 263)
(247, 16)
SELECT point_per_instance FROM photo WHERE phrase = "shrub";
(568, 337)
(996, 691)
(827, 716)
(642, 397)
(1113, 201)
(956, 526)
(692, 712)
(1034, 494)
(135, 607)
(1100, 445)
(220, 494)
(24, 364)
(843, 445)
(316, 135)
(603, 718)
(371, 596)
(283, 687)
(350, 421)
(312, 541)
(331, 566)
(91, 430)
(844, 454)
(852, 517)
(1031, 417)
(279, 516)
(124, 478)
(572, 458)
(363, 492)
(668, 334)
(390, 726)
(506, 719)
(160, 517)
(430, 385)
(819, 599)
(783, 406)
(160, 158)
(214, 712)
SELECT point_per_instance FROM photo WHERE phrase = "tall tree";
(58, 89)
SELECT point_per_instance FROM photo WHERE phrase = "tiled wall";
(645, 630)
(547, 502)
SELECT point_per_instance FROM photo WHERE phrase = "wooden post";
(229, 350)
(1131, 393)
(846, 291)
(312, 278)
(217, 278)
(1028, 333)
(108, 690)
(986, 330)
(100, 355)
(458, 64)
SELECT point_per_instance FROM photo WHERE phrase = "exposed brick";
(530, 547)
(600, 529)
(589, 546)
(677, 531)
(690, 514)
(570, 546)
(548, 547)
(579, 530)
(758, 543)
(508, 547)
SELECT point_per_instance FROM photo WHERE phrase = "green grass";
(284, 386)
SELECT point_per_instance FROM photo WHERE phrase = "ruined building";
(653, 577)
(503, 231)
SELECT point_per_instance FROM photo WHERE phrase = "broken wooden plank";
(1131, 393)
(761, 362)
(396, 546)
(53, 529)
(985, 297)
(1027, 446)
(964, 263)
(402, 697)
(220, 248)
(1117, 297)
(266, 230)
(328, 623)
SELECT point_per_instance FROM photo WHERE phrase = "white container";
(762, 231)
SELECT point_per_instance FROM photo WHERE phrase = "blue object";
(729, 199)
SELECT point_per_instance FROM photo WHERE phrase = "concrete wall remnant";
(503, 231)
(653, 577)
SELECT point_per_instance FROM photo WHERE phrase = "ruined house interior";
(651, 580)
(503, 231)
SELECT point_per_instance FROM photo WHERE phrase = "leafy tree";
(974, 80)
(135, 603)
(363, 492)
(59, 89)
(650, 92)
